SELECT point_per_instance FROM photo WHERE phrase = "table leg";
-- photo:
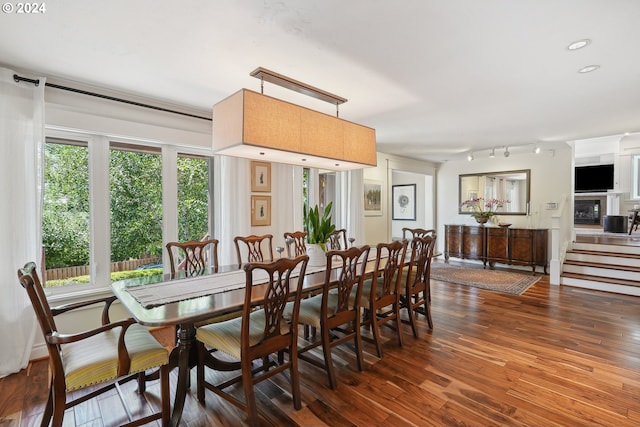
(182, 352)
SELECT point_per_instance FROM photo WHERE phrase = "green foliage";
(193, 198)
(65, 219)
(136, 204)
(318, 228)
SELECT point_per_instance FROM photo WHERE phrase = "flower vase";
(317, 257)
(482, 220)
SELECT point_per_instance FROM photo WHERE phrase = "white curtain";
(349, 204)
(21, 169)
(231, 202)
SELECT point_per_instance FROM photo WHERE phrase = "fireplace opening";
(587, 212)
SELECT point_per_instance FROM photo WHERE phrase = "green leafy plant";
(318, 228)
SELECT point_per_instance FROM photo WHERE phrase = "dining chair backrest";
(192, 256)
(351, 265)
(295, 242)
(255, 248)
(417, 293)
(31, 283)
(388, 268)
(338, 239)
(280, 276)
(416, 232)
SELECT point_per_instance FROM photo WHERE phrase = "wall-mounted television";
(591, 179)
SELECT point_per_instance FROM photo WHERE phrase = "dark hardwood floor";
(554, 356)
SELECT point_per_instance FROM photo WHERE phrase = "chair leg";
(295, 376)
(396, 311)
(328, 362)
(427, 309)
(358, 345)
(412, 317)
(375, 327)
(249, 394)
(59, 403)
(165, 395)
(200, 373)
(48, 410)
(142, 383)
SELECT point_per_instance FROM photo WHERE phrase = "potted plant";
(319, 229)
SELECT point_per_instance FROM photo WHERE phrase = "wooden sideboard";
(504, 245)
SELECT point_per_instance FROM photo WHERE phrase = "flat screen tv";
(591, 179)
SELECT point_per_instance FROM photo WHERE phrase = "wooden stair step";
(603, 265)
(604, 253)
(602, 279)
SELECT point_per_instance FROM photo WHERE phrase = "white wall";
(551, 181)
(379, 228)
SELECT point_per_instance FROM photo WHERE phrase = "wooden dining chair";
(295, 242)
(410, 233)
(338, 239)
(95, 359)
(192, 256)
(334, 311)
(256, 335)
(416, 295)
(256, 248)
(381, 294)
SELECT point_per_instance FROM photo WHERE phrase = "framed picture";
(372, 198)
(260, 210)
(260, 177)
(404, 202)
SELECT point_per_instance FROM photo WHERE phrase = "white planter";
(317, 257)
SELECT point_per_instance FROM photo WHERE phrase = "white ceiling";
(435, 78)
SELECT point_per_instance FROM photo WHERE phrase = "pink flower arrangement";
(484, 209)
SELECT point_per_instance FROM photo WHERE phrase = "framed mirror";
(513, 187)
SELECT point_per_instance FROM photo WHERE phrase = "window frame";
(99, 146)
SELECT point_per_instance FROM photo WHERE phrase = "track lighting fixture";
(506, 151)
(536, 149)
(470, 156)
(493, 153)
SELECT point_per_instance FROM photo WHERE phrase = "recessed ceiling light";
(588, 69)
(579, 44)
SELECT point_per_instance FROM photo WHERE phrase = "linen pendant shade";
(256, 126)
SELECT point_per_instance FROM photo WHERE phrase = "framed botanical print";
(260, 210)
(404, 202)
(260, 177)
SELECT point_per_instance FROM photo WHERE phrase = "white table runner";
(156, 294)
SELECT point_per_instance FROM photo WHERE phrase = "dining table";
(162, 300)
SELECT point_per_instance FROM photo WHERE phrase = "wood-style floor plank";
(554, 356)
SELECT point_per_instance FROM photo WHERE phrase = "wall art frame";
(404, 202)
(260, 210)
(260, 177)
(372, 197)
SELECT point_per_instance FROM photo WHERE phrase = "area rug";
(494, 280)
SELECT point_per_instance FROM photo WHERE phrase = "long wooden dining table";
(162, 300)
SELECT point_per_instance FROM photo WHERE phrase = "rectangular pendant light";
(255, 126)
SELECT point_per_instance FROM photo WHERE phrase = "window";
(103, 215)
(193, 197)
(65, 218)
(135, 176)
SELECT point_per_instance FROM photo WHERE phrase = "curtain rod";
(36, 82)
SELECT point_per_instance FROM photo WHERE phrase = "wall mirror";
(504, 185)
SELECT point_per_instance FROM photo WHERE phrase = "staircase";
(612, 266)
